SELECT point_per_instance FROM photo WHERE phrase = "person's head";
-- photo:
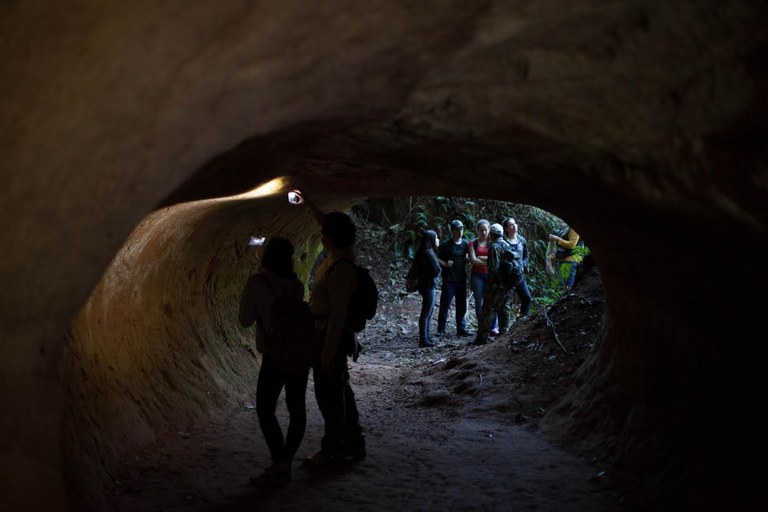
(278, 257)
(495, 231)
(428, 240)
(510, 227)
(482, 229)
(457, 228)
(338, 229)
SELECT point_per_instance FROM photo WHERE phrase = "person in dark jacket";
(453, 255)
(428, 269)
(497, 296)
(519, 246)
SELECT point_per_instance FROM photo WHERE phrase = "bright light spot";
(256, 241)
(269, 188)
(294, 197)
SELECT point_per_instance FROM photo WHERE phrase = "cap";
(496, 229)
(457, 224)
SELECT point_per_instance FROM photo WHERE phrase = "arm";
(478, 261)
(341, 283)
(313, 209)
(298, 290)
(525, 255)
(434, 264)
(573, 239)
(441, 254)
(494, 258)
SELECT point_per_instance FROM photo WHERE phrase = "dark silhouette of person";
(276, 275)
(334, 283)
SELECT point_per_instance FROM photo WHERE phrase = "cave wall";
(640, 122)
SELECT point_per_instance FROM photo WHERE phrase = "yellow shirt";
(573, 239)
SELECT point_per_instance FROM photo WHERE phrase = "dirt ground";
(448, 428)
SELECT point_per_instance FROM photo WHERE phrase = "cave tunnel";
(133, 134)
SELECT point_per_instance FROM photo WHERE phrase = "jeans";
(268, 388)
(451, 289)
(496, 304)
(572, 274)
(336, 402)
(427, 308)
(477, 282)
(521, 289)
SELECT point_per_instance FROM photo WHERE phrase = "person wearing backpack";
(566, 239)
(478, 276)
(330, 300)
(275, 278)
(453, 255)
(519, 247)
(428, 270)
(497, 291)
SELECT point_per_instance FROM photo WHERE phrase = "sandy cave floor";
(448, 428)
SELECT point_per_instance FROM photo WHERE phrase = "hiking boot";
(463, 334)
(276, 474)
(355, 454)
(494, 332)
(425, 343)
(354, 450)
(322, 458)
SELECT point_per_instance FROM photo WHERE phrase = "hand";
(449, 264)
(552, 238)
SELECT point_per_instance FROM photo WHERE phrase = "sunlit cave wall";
(158, 348)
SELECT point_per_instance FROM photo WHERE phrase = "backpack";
(412, 278)
(364, 300)
(292, 342)
(510, 268)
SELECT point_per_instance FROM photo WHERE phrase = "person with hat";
(453, 255)
(497, 296)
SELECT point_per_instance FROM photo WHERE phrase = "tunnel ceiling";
(637, 117)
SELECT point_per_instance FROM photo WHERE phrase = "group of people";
(343, 438)
(483, 255)
(329, 302)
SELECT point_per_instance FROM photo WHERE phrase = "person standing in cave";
(334, 283)
(453, 255)
(566, 239)
(497, 295)
(275, 278)
(478, 277)
(519, 246)
(428, 270)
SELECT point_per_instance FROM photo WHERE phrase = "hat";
(496, 229)
(456, 224)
